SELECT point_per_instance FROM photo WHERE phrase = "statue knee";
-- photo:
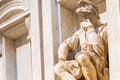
(58, 69)
(55, 69)
(83, 59)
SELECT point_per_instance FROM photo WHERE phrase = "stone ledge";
(15, 27)
(16, 19)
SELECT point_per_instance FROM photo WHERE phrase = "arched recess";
(11, 9)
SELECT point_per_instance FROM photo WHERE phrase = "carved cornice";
(15, 27)
(12, 6)
(14, 20)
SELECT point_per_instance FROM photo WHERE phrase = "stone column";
(1, 60)
(50, 37)
(8, 54)
(36, 40)
(113, 11)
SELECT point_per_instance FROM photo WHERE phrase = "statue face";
(86, 11)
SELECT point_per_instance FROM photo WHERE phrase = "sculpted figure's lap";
(62, 74)
(87, 69)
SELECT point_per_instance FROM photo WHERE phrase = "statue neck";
(95, 21)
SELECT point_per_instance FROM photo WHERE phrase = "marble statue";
(91, 62)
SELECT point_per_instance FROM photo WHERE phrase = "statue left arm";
(67, 46)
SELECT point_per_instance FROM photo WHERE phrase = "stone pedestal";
(8, 51)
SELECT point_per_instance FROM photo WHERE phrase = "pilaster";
(50, 37)
(36, 40)
(113, 12)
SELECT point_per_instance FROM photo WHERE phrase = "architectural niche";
(90, 61)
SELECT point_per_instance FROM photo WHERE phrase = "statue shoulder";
(77, 33)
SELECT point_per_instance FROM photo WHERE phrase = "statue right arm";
(67, 46)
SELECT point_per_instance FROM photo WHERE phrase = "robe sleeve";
(67, 46)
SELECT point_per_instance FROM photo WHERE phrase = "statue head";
(87, 9)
